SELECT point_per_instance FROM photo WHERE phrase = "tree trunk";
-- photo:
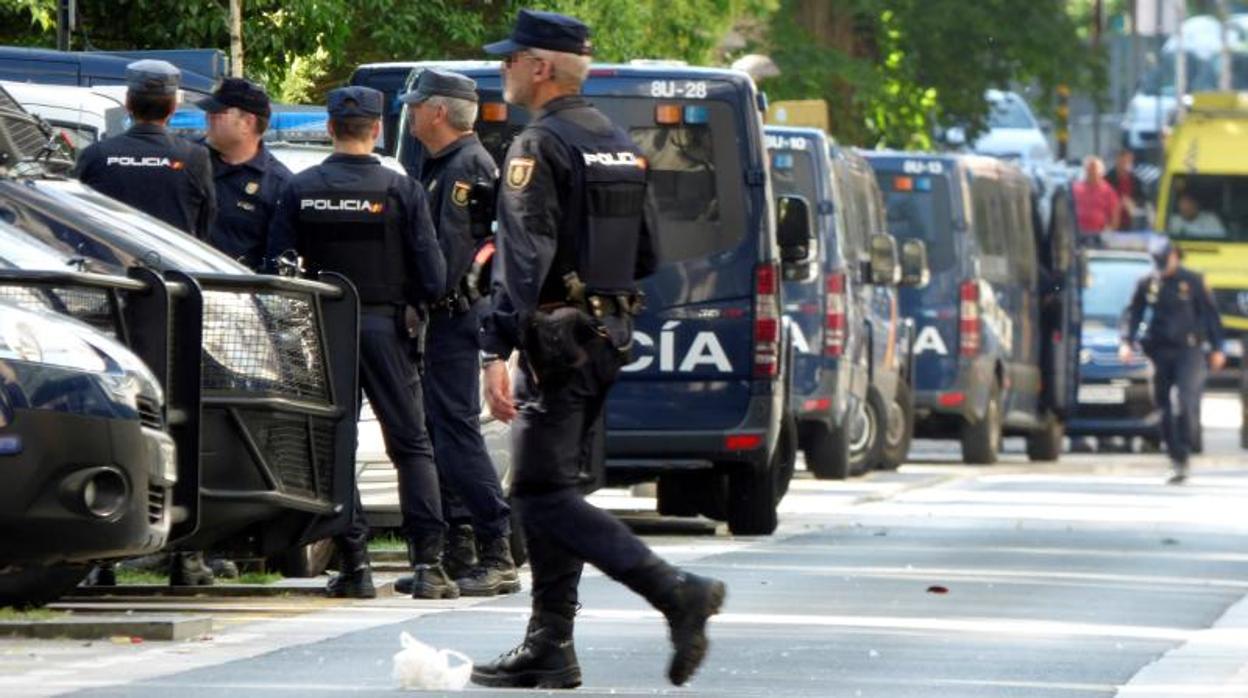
(236, 38)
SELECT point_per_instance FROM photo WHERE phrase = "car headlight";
(1085, 356)
(30, 338)
(236, 336)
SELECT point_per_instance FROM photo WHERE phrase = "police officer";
(354, 216)
(246, 176)
(460, 177)
(148, 168)
(1179, 317)
(571, 241)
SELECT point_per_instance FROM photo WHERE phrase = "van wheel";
(981, 440)
(899, 429)
(754, 493)
(32, 587)
(865, 441)
(702, 493)
(827, 453)
(304, 561)
(786, 455)
(1046, 443)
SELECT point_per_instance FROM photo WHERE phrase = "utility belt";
(556, 337)
(458, 301)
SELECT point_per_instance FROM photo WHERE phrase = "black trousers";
(392, 384)
(551, 438)
(452, 386)
(1181, 371)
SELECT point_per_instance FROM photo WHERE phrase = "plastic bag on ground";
(420, 667)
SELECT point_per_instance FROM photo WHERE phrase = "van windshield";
(918, 209)
(1208, 207)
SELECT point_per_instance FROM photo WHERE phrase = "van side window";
(1023, 250)
(990, 229)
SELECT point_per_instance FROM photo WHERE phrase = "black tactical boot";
(189, 570)
(1178, 473)
(459, 556)
(429, 579)
(687, 601)
(496, 573)
(546, 658)
(355, 579)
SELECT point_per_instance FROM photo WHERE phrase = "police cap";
(152, 77)
(354, 101)
(1160, 248)
(434, 83)
(547, 30)
(238, 93)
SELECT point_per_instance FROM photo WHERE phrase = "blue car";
(704, 405)
(1115, 398)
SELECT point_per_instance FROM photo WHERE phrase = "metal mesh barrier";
(88, 305)
(266, 342)
(300, 451)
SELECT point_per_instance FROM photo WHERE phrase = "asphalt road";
(1084, 578)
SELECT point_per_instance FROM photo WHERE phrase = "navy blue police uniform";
(454, 178)
(150, 169)
(354, 216)
(246, 192)
(571, 241)
(1179, 319)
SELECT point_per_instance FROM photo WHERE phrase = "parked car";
(851, 391)
(1115, 397)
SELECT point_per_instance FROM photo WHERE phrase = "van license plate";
(1102, 394)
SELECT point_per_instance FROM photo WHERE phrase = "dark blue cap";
(152, 77)
(354, 101)
(239, 93)
(1160, 248)
(434, 83)
(549, 30)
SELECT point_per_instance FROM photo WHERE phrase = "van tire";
(702, 493)
(1045, 444)
(33, 587)
(981, 440)
(893, 453)
(786, 455)
(752, 500)
(866, 458)
(827, 452)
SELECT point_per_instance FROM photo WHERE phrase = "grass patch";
(11, 614)
(387, 543)
(254, 578)
(128, 577)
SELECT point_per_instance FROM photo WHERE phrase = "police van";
(851, 378)
(997, 325)
(703, 406)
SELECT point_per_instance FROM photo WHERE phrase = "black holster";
(554, 342)
(414, 324)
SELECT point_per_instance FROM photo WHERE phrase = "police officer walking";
(460, 177)
(1179, 318)
(148, 168)
(571, 241)
(354, 216)
(246, 176)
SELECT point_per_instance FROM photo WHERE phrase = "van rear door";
(920, 207)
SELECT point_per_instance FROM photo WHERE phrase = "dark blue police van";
(851, 368)
(998, 324)
(201, 68)
(703, 406)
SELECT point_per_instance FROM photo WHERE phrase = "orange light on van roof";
(903, 184)
(494, 111)
(667, 114)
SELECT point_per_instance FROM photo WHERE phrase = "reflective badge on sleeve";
(520, 172)
(460, 193)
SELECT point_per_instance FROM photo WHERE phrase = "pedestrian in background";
(1096, 203)
(1176, 312)
(1132, 202)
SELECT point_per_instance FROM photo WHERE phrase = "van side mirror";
(914, 269)
(795, 230)
(885, 270)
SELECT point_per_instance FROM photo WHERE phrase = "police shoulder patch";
(520, 172)
(461, 193)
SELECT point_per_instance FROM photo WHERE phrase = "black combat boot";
(1178, 473)
(495, 574)
(355, 579)
(687, 601)
(189, 570)
(459, 556)
(546, 658)
(429, 580)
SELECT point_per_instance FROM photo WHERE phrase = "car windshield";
(1208, 207)
(1110, 283)
(1201, 75)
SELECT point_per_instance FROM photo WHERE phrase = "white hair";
(569, 69)
(461, 114)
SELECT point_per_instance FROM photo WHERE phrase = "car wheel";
(864, 434)
(981, 440)
(899, 429)
(1046, 443)
(702, 493)
(754, 492)
(32, 587)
